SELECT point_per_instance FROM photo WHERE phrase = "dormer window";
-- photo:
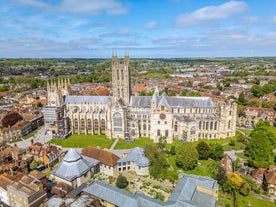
(162, 108)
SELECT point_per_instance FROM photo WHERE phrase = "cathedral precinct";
(125, 116)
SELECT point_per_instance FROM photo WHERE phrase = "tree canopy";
(186, 156)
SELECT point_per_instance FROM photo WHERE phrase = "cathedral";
(130, 117)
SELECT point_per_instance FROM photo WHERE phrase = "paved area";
(41, 136)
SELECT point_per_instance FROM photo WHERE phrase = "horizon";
(146, 29)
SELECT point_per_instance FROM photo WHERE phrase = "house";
(136, 161)
(47, 154)
(191, 190)
(108, 160)
(258, 175)
(4, 182)
(28, 191)
(75, 169)
(269, 180)
(227, 164)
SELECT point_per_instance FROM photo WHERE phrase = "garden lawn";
(82, 141)
(246, 131)
(205, 167)
(242, 201)
(141, 142)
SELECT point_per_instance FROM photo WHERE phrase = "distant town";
(138, 132)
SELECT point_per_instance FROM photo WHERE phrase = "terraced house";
(125, 116)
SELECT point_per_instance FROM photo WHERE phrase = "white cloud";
(209, 14)
(120, 32)
(150, 25)
(95, 7)
(84, 7)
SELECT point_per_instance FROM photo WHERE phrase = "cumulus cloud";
(209, 14)
(85, 7)
(150, 25)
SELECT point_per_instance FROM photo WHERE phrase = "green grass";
(82, 140)
(246, 131)
(238, 146)
(32, 133)
(141, 142)
(242, 201)
(205, 167)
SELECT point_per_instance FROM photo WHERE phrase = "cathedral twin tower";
(125, 116)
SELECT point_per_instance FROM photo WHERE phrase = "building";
(108, 160)
(75, 169)
(46, 153)
(28, 191)
(191, 191)
(269, 180)
(125, 116)
(136, 161)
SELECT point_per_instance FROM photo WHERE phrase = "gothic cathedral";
(130, 117)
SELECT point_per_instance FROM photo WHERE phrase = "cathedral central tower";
(121, 78)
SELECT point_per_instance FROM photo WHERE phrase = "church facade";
(125, 116)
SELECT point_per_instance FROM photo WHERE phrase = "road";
(40, 136)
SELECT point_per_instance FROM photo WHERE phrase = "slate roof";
(171, 101)
(136, 155)
(87, 99)
(184, 195)
(74, 165)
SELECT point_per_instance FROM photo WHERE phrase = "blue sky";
(144, 28)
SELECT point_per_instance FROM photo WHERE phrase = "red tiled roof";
(105, 157)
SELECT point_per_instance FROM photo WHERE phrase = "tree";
(261, 144)
(235, 179)
(216, 151)
(244, 189)
(203, 150)
(186, 156)
(237, 164)
(33, 165)
(221, 176)
(241, 99)
(172, 150)
(158, 160)
(228, 186)
(121, 181)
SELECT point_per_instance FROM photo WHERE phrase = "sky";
(141, 28)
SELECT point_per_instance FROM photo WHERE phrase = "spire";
(156, 90)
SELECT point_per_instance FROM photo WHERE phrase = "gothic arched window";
(82, 125)
(117, 122)
(102, 125)
(89, 125)
(96, 125)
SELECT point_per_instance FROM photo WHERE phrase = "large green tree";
(216, 151)
(186, 156)
(159, 163)
(203, 150)
(261, 144)
(221, 176)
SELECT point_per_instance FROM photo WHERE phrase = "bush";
(121, 182)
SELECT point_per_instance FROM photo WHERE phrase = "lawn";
(205, 167)
(246, 131)
(82, 140)
(243, 201)
(137, 143)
